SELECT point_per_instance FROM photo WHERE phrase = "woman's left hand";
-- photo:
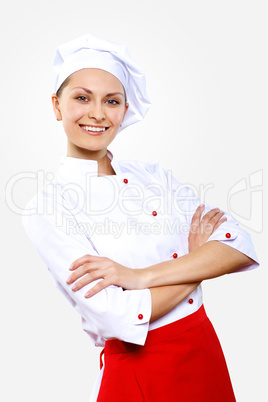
(90, 268)
(202, 229)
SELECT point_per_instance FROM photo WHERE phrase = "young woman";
(127, 244)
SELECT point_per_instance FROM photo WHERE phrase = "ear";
(126, 109)
(56, 106)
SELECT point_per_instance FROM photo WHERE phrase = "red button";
(228, 235)
(125, 180)
(190, 301)
(154, 213)
(175, 255)
(140, 316)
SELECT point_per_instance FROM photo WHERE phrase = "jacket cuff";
(139, 317)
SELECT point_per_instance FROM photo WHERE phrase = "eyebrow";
(90, 92)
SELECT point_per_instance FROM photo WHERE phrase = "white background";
(206, 67)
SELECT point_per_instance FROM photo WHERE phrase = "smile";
(94, 129)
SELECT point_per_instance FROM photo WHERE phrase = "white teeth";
(89, 128)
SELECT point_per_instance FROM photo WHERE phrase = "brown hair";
(63, 85)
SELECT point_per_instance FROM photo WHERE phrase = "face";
(92, 107)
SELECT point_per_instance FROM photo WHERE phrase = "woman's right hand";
(89, 268)
(202, 229)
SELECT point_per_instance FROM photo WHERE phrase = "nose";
(96, 111)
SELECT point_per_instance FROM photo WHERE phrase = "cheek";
(116, 116)
(73, 112)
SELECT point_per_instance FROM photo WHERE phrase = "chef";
(100, 215)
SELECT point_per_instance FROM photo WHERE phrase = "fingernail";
(71, 266)
(88, 294)
(74, 287)
(201, 205)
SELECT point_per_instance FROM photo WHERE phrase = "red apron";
(180, 362)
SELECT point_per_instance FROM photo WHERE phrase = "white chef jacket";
(138, 217)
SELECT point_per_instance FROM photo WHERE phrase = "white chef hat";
(89, 51)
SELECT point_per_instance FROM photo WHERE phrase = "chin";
(91, 147)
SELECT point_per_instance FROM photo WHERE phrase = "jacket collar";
(74, 170)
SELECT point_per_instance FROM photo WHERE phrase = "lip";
(96, 133)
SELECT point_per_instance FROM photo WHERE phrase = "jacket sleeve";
(186, 200)
(59, 240)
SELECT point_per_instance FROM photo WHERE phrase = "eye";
(113, 102)
(82, 98)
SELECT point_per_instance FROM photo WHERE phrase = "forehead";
(95, 78)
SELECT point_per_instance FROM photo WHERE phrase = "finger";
(210, 214)
(88, 278)
(196, 217)
(82, 260)
(97, 288)
(81, 271)
(209, 227)
(206, 226)
(198, 212)
(216, 218)
(224, 219)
